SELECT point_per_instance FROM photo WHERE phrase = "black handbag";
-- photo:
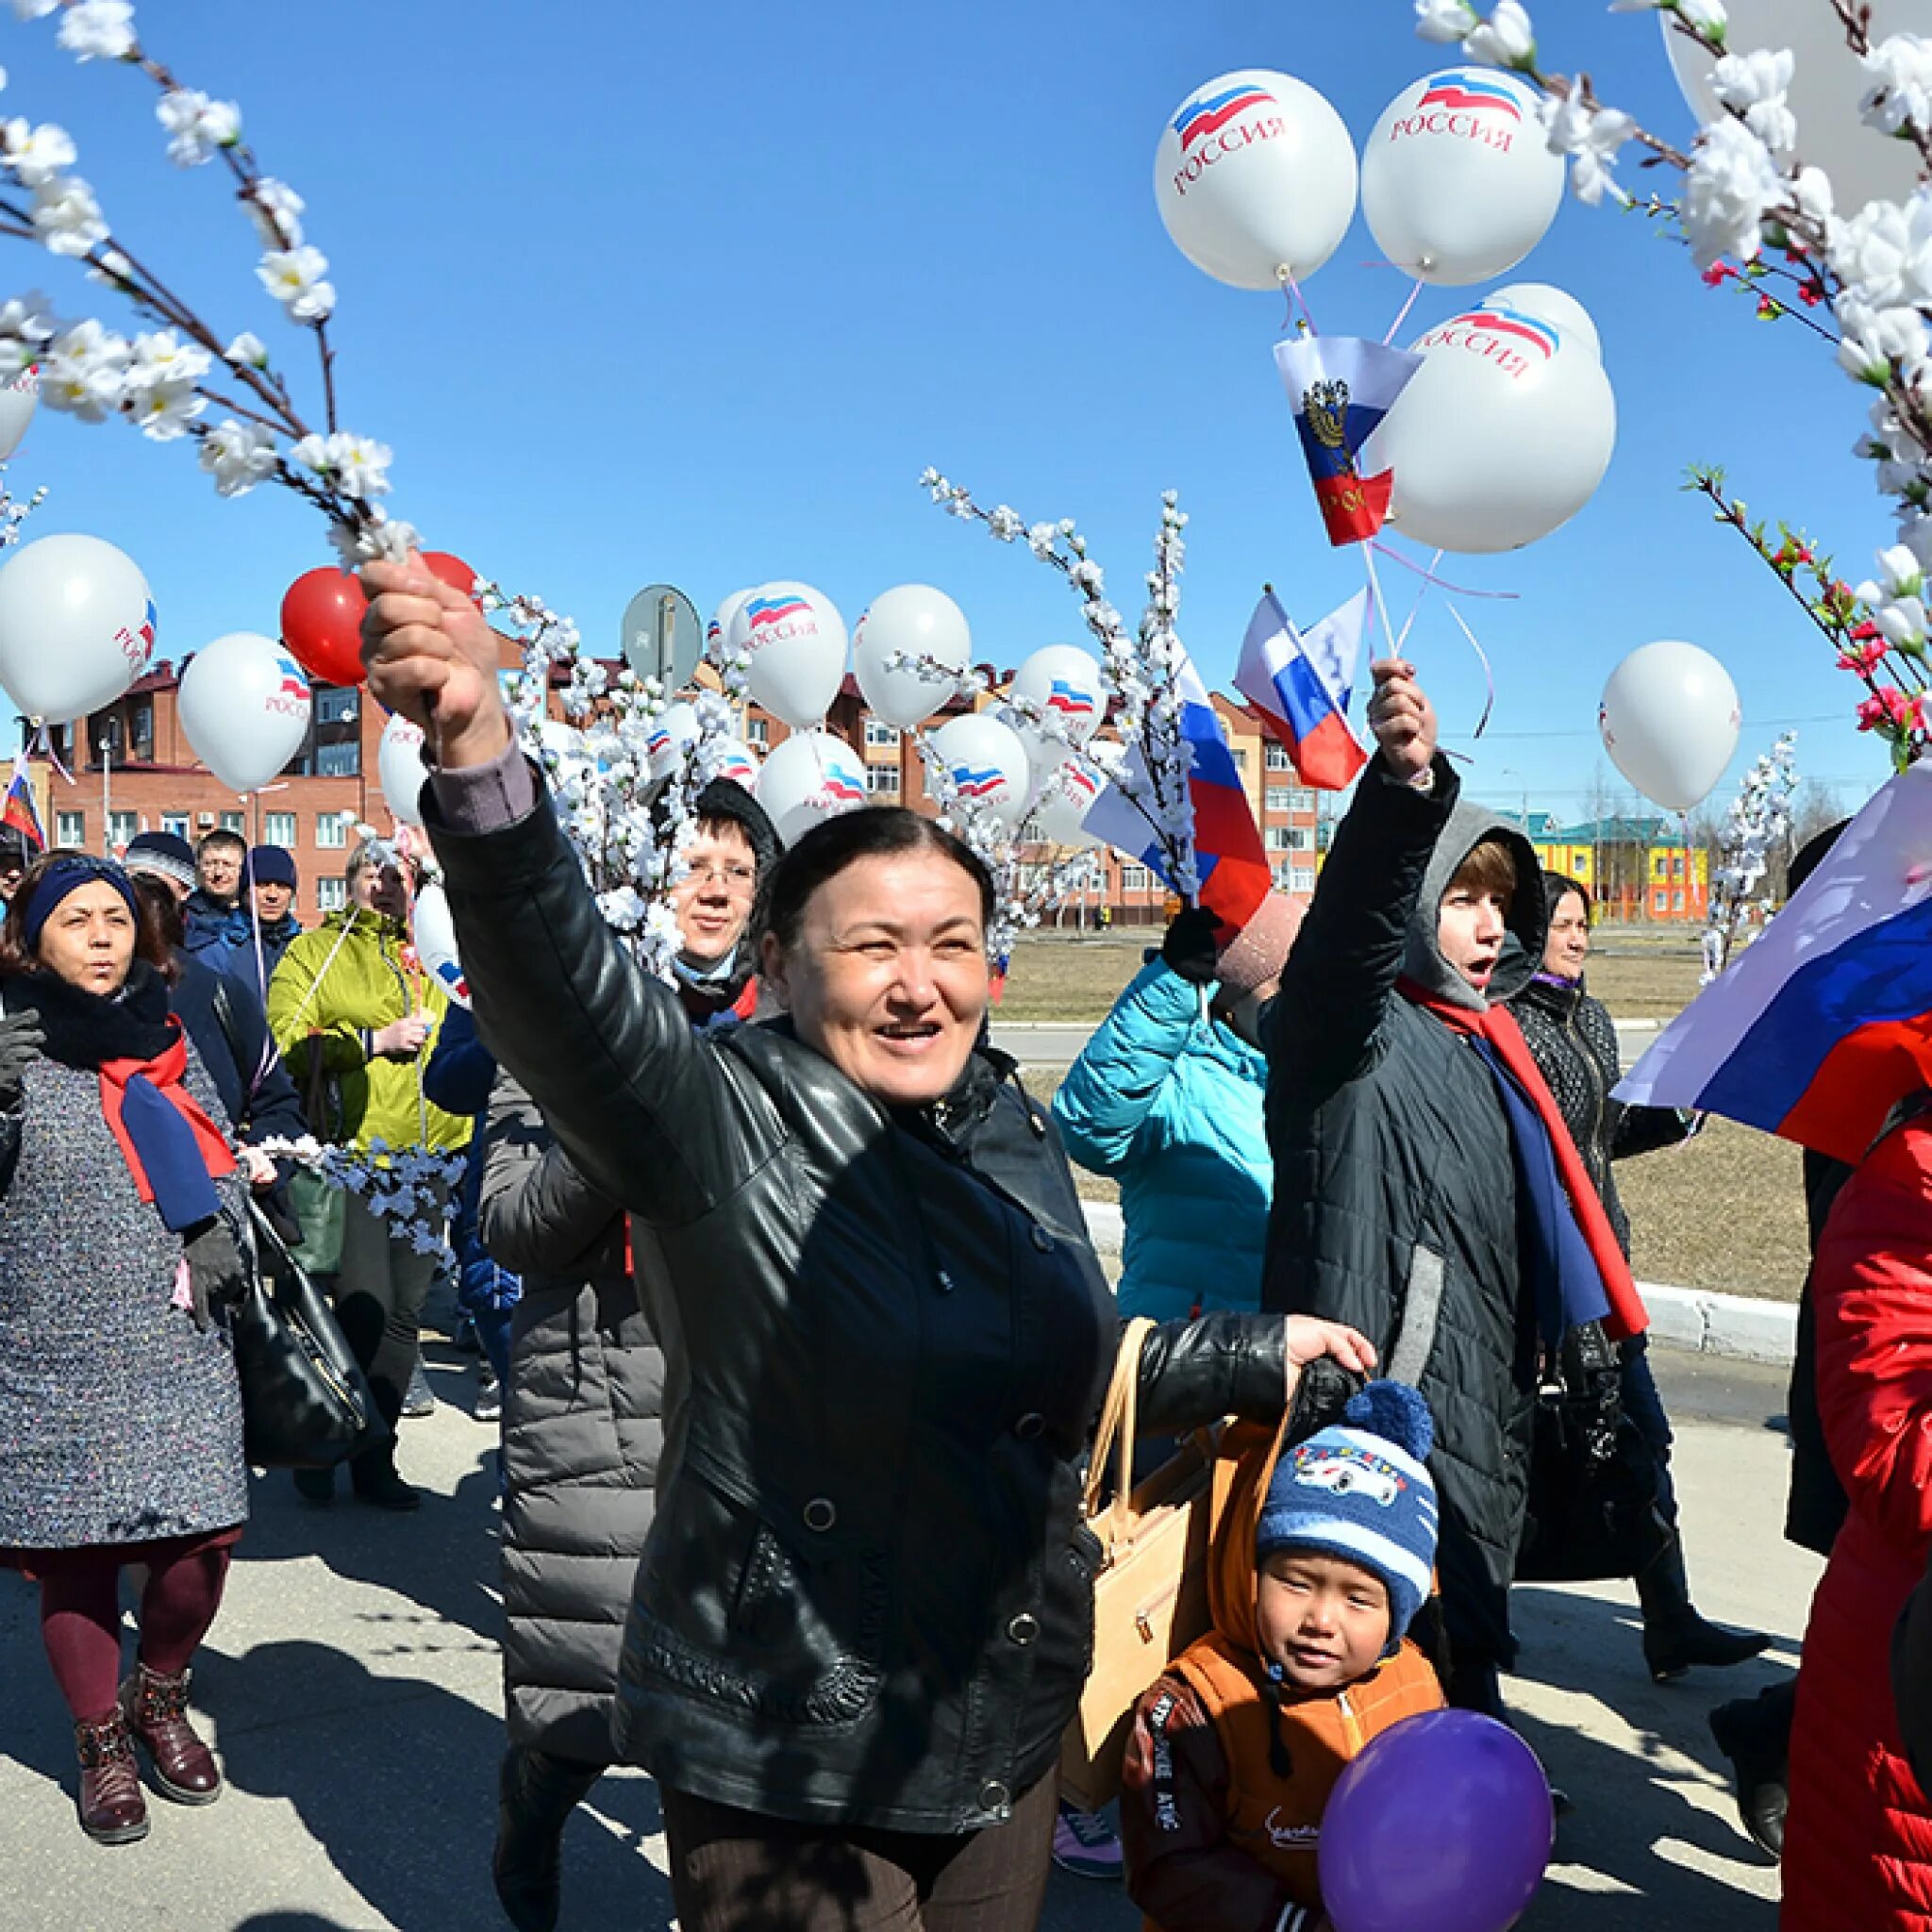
(306, 1403)
(1593, 1476)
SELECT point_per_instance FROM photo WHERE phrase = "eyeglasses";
(737, 878)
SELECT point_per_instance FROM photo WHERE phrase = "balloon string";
(44, 742)
(1441, 583)
(1489, 674)
(1415, 608)
(1297, 299)
(1403, 317)
(1381, 610)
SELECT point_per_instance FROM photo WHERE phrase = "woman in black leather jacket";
(1574, 1041)
(864, 1613)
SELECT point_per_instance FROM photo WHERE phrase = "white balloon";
(812, 775)
(672, 734)
(76, 626)
(18, 401)
(987, 763)
(434, 933)
(245, 705)
(734, 759)
(920, 622)
(1254, 175)
(1458, 183)
(1063, 681)
(718, 633)
(1670, 720)
(796, 640)
(399, 766)
(1826, 85)
(1539, 298)
(1501, 435)
(1058, 818)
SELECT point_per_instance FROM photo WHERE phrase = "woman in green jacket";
(356, 1015)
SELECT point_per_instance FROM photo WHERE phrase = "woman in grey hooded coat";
(585, 1397)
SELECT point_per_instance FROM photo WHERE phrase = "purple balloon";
(1444, 1821)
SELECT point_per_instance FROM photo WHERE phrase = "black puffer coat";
(1394, 1176)
(867, 1597)
(582, 1433)
(1574, 1041)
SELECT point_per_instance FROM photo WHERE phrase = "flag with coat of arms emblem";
(1340, 388)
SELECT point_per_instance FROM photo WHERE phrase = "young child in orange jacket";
(1321, 1564)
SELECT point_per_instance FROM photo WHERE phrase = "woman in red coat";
(1858, 1837)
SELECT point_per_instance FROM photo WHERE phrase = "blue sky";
(645, 293)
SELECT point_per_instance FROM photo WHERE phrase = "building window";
(1303, 799)
(1301, 838)
(69, 828)
(338, 761)
(757, 731)
(177, 823)
(1304, 880)
(1278, 839)
(331, 894)
(335, 706)
(1135, 879)
(236, 822)
(121, 827)
(880, 733)
(1277, 759)
(1241, 758)
(1676, 901)
(332, 830)
(279, 828)
(1277, 798)
(883, 780)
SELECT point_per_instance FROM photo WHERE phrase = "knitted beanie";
(1359, 1491)
(1257, 952)
(166, 854)
(272, 865)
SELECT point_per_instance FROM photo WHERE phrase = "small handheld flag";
(1340, 388)
(20, 813)
(1301, 684)
(1229, 858)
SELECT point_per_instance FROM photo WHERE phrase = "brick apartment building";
(134, 770)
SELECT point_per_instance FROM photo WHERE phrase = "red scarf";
(165, 1072)
(1497, 1026)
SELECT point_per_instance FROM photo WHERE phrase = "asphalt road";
(352, 1685)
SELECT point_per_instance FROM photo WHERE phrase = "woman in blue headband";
(120, 1413)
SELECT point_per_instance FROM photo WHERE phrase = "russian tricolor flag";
(19, 812)
(1301, 684)
(1341, 386)
(1824, 1023)
(1229, 858)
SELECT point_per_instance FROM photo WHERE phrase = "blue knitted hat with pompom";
(1360, 1490)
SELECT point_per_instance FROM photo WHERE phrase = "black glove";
(1326, 1389)
(21, 1040)
(216, 1272)
(1191, 948)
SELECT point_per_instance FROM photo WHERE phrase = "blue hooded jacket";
(1169, 1103)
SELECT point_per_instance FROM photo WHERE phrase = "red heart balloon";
(322, 625)
(453, 570)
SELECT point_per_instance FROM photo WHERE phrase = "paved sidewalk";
(353, 1687)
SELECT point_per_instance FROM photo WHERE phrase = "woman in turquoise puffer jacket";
(1167, 1099)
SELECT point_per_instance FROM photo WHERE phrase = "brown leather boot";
(112, 1811)
(155, 1708)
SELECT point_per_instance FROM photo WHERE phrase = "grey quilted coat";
(581, 1435)
(119, 1421)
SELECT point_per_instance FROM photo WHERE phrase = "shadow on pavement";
(1653, 1817)
(396, 1780)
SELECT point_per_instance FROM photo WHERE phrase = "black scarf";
(83, 1028)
